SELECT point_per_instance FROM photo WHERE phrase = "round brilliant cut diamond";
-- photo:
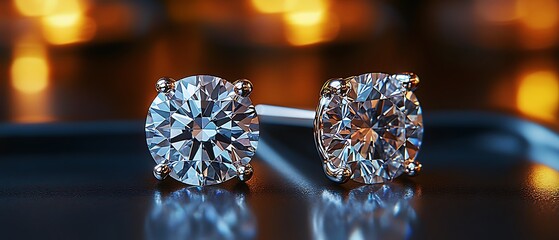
(373, 129)
(202, 130)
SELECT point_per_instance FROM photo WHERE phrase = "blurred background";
(86, 60)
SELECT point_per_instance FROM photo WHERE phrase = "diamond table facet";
(373, 128)
(202, 130)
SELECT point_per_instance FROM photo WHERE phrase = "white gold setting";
(202, 130)
(369, 128)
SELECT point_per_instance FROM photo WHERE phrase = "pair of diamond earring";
(204, 130)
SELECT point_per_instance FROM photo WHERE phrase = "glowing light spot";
(62, 20)
(303, 35)
(305, 18)
(307, 22)
(538, 95)
(300, 35)
(29, 70)
(306, 13)
(538, 14)
(544, 178)
(33, 8)
(29, 77)
(82, 30)
(67, 23)
(272, 6)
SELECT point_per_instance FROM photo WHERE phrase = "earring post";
(285, 115)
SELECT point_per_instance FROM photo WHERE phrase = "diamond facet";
(202, 130)
(373, 129)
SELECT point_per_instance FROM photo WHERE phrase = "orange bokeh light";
(35, 8)
(30, 78)
(62, 21)
(538, 94)
(68, 23)
(29, 68)
(306, 22)
(544, 179)
(77, 29)
(272, 6)
(538, 14)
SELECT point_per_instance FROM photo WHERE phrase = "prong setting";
(412, 168)
(161, 171)
(337, 86)
(243, 87)
(201, 104)
(409, 80)
(245, 172)
(337, 175)
(165, 85)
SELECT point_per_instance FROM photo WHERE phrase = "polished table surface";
(485, 176)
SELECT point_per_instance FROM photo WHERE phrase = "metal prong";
(243, 87)
(409, 80)
(245, 172)
(337, 86)
(412, 168)
(161, 171)
(165, 85)
(340, 175)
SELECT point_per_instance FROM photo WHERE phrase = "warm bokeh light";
(533, 22)
(539, 19)
(544, 179)
(68, 23)
(534, 14)
(30, 73)
(273, 6)
(300, 35)
(61, 32)
(34, 8)
(62, 21)
(538, 94)
(497, 10)
(307, 12)
(305, 18)
(308, 22)
(538, 14)
(29, 69)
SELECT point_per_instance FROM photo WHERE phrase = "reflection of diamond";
(202, 129)
(200, 213)
(369, 212)
(374, 129)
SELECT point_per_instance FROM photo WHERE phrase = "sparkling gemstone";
(373, 129)
(202, 129)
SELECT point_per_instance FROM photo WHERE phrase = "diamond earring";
(369, 128)
(202, 130)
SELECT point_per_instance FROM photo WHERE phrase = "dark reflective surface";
(484, 178)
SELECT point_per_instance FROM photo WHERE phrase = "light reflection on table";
(200, 213)
(381, 211)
